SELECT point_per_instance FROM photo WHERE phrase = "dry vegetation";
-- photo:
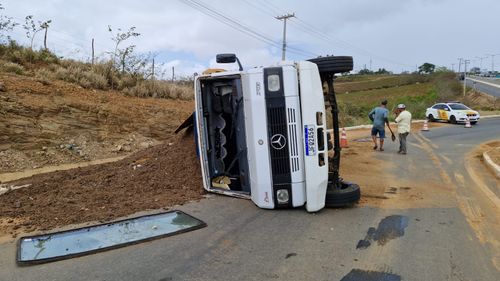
(357, 83)
(47, 67)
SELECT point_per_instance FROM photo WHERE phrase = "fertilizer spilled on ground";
(368, 275)
(363, 140)
(389, 228)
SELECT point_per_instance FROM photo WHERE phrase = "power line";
(246, 29)
(315, 32)
(235, 24)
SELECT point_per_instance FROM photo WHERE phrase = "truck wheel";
(347, 195)
(333, 64)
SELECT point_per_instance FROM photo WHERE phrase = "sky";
(397, 35)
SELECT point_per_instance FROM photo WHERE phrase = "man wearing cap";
(403, 118)
(379, 118)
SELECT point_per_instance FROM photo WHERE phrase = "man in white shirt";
(403, 118)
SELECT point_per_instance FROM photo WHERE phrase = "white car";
(453, 112)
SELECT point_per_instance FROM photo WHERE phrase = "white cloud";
(407, 32)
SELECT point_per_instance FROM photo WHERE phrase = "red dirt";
(158, 177)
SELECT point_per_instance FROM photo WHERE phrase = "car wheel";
(473, 122)
(333, 64)
(453, 120)
(431, 118)
(347, 195)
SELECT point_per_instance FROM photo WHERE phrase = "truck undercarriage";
(261, 134)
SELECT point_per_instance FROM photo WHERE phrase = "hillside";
(49, 124)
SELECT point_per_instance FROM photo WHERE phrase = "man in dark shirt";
(378, 115)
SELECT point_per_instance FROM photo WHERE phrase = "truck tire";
(348, 195)
(333, 64)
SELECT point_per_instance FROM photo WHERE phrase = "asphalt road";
(485, 88)
(452, 233)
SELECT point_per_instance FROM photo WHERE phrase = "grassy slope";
(354, 107)
(357, 95)
(371, 82)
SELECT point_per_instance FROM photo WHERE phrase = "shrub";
(18, 54)
(12, 67)
(44, 76)
(79, 75)
(159, 89)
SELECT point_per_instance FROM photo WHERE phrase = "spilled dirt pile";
(157, 177)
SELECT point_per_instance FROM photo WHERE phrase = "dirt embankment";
(63, 123)
(155, 178)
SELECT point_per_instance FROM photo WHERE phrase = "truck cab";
(261, 134)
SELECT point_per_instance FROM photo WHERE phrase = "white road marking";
(484, 82)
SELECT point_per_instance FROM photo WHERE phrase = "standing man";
(403, 118)
(378, 115)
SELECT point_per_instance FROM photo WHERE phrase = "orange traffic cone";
(467, 123)
(426, 126)
(343, 139)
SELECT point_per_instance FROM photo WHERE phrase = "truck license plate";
(310, 139)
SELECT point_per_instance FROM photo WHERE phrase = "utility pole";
(153, 78)
(459, 64)
(480, 63)
(453, 67)
(371, 65)
(465, 74)
(45, 38)
(93, 52)
(492, 61)
(44, 25)
(153, 70)
(173, 73)
(284, 18)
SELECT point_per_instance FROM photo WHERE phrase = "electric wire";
(315, 32)
(235, 24)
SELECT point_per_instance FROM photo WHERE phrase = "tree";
(122, 56)
(382, 71)
(31, 28)
(475, 70)
(365, 71)
(6, 24)
(426, 68)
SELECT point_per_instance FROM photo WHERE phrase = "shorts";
(381, 132)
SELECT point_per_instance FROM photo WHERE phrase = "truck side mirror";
(228, 58)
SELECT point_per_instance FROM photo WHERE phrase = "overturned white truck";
(262, 133)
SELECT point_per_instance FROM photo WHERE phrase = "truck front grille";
(292, 132)
(277, 126)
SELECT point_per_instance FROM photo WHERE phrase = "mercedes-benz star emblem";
(278, 141)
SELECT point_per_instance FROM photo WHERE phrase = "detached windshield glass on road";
(457, 106)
